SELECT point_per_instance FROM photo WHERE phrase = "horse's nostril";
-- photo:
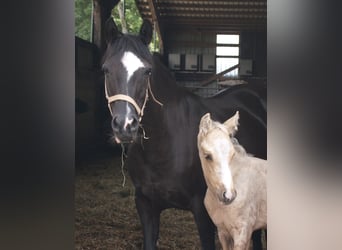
(228, 197)
(135, 123)
(116, 123)
(224, 196)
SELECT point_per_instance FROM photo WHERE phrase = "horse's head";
(216, 150)
(127, 65)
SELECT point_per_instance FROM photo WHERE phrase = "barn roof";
(223, 15)
(205, 15)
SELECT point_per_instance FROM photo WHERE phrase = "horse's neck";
(160, 92)
(163, 85)
(245, 163)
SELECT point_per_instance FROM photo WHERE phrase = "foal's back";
(249, 176)
(228, 169)
(248, 212)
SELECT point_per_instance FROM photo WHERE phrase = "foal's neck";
(237, 161)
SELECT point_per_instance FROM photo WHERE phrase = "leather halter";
(127, 98)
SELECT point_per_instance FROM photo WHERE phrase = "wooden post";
(97, 23)
(102, 10)
(215, 77)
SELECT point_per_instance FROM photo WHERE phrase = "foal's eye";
(208, 157)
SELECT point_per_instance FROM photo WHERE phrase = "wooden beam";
(200, 23)
(213, 15)
(214, 77)
(216, 4)
(213, 11)
(203, 16)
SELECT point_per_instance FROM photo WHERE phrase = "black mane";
(127, 42)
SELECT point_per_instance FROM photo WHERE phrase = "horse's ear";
(111, 31)
(232, 123)
(205, 124)
(146, 32)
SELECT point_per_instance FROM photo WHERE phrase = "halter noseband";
(127, 98)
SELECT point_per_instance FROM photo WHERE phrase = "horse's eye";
(148, 72)
(105, 70)
(208, 157)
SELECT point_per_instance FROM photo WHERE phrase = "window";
(227, 53)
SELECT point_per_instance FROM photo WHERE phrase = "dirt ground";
(105, 213)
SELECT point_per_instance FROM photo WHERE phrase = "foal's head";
(216, 150)
(127, 65)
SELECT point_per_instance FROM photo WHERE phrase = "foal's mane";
(239, 149)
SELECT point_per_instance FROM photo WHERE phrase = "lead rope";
(123, 164)
(154, 99)
(140, 112)
(150, 90)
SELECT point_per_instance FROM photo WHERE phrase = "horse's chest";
(166, 179)
(169, 196)
(166, 188)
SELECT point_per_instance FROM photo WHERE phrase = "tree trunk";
(122, 16)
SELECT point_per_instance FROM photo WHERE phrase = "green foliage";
(154, 45)
(83, 17)
(132, 16)
(133, 21)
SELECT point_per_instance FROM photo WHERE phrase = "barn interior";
(187, 32)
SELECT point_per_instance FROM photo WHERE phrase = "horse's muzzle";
(125, 128)
(228, 197)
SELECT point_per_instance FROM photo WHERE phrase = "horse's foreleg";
(149, 218)
(242, 238)
(256, 236)
(205, 226)
(225, 240)
(265, 231)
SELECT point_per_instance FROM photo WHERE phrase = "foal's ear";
(146, 32)
(111, 31)
(205, 124)
(232, 123)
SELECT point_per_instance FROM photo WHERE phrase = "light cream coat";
(235, 198)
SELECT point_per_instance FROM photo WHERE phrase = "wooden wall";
(90, 107)
(253, 45)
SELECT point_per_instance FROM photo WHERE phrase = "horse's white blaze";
(131, 63)
(127, 120)
(224, 168)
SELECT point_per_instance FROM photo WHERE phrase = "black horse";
(160, 122)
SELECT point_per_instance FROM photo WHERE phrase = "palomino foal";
(236, 194)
